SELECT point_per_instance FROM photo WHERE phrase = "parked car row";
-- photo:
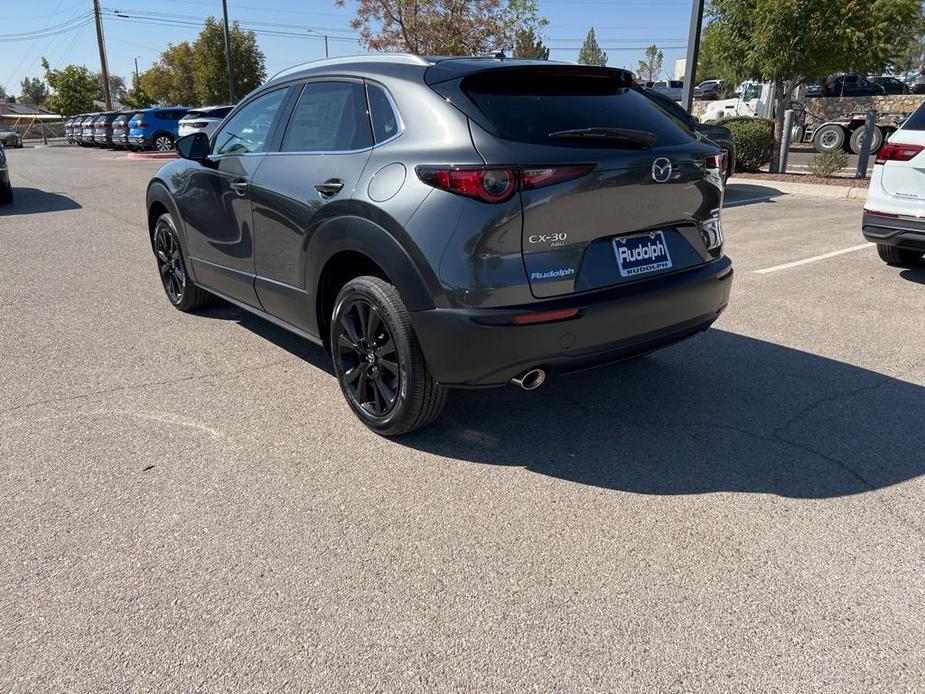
(855, 85)
(145, 129)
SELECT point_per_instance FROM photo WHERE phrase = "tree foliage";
(136, 97)
(74, 88)
(193, 75)
(591, 52)
(787, 42)
(651, 67)
(528, 45)
(116, 87)
(171, 80)
(442, 27)
(32, 91)
(211, 80)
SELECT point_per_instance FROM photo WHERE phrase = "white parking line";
(795, 263)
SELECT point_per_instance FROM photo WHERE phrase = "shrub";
(754, 138)
(828, 164)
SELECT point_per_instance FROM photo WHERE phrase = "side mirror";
(194, 147)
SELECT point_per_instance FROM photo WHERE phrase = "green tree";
(591, 53)
(171, 80)
(209, 71)
(3, 94)
(442, 27)
(709, 64)
(32, 91)
(116, 87)
(651, 67)
(74, 89)
(136, 97)
(787, 42)
(528, 45)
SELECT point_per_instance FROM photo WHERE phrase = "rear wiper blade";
(615, 136)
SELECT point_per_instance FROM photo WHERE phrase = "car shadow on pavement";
(295, 345)
(719, 413)
(914, 274)
(740, 194)
(34, 201)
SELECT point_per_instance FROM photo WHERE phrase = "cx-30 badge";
(661, 170)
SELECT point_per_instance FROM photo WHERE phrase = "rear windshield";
(916, 120)
(527, 107)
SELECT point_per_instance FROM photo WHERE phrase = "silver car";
(10, 136)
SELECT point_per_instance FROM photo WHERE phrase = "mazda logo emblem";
(661, 170)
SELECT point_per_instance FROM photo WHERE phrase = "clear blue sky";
(624, 28)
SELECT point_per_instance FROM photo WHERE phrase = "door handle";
(239, 186)
(330, 187)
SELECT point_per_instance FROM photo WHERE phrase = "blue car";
(155, 128)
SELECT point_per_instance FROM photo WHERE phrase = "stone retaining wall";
(828, 108)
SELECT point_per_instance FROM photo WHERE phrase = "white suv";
(894, 214)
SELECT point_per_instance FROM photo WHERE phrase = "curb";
(815, 190)
(151, 155)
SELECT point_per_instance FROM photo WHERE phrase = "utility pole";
(137, 77)
(326, 54)
(104, 67)
(693, 53)
(228, 54)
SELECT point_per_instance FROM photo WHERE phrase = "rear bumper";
(482, 347)
(902, 233)
(136, 141)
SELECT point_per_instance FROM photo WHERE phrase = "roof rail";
(406, 58)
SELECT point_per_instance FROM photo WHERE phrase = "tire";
(371, 335)
(162, 142)
(829, 138)
(900, 257)
(171, 266)
(6, 193)
(857, 138)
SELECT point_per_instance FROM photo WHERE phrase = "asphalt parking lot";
(188, 503)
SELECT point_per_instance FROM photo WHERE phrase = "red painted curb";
(151, 155)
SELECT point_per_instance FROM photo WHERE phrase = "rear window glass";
(916, 120)
(527, 107)
(384, 118)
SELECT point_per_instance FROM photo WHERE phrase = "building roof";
(10, 111)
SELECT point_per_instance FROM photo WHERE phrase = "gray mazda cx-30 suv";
(440, 222)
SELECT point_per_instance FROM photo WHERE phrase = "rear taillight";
(490, 184)
(718, 161)
(142, 126)
(893, 151)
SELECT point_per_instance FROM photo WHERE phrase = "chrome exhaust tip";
(530, 380)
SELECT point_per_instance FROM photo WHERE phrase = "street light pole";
(228, 64)
(693, 52)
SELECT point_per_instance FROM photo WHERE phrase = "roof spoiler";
(447, 70)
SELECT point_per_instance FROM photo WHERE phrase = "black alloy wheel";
(181, 292)
(378, 360)
(367, 354)
(169, 262)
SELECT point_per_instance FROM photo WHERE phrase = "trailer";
(847, 131)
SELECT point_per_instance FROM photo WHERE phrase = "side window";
(384, 118)
(330, 117)
(249, 130)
